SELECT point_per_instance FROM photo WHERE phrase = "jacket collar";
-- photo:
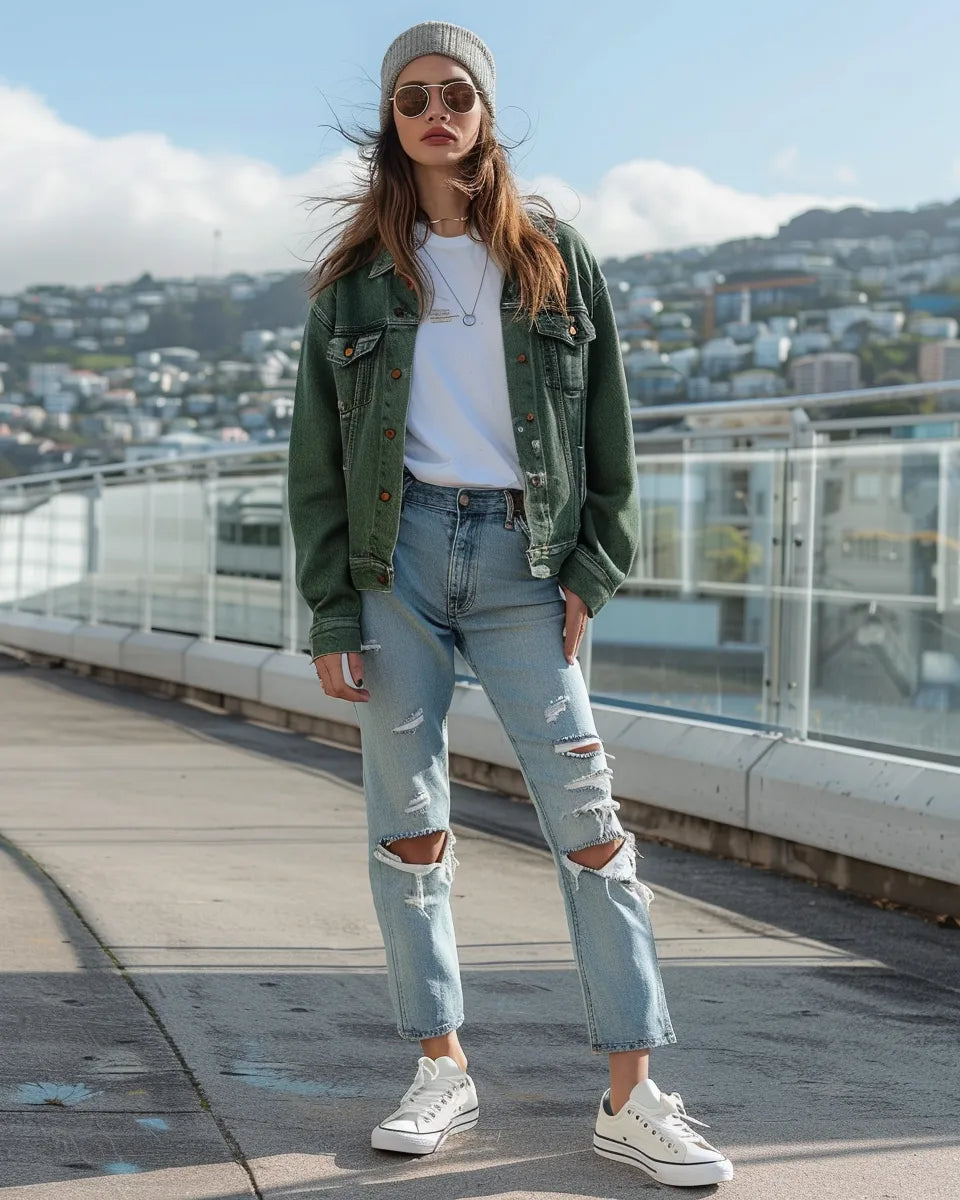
(384, 260)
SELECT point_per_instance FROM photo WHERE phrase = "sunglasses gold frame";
(443, 86)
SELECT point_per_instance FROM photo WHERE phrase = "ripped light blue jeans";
(462, 579)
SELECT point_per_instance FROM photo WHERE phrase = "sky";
(129, 133)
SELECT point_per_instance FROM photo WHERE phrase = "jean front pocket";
(520, 522)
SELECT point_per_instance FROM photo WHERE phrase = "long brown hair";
(384, 211)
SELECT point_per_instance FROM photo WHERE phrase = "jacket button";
(572, 330)
(381, 579)
(396, 373)
(341, 405)
(390, 433)
(529, 416)
(384, 496)
(348, 350)
(535, 480)
(521, 358)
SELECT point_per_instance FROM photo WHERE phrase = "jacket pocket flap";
(343, 349)
(556, 325)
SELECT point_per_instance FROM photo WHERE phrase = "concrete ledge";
(891, 811)
(160, 655)
(288, 682)
(50, 636)
(880, 826)
(225, 668)
(688, 766)
(99, 645)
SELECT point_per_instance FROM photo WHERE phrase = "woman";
(462, 475)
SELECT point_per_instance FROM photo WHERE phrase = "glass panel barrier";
(809, 588)
(250, 559)
(691, 627)
(883, 630)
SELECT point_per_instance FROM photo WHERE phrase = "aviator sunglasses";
(412, 99)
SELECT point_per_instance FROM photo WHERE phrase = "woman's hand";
(330, 673)
(574, 625)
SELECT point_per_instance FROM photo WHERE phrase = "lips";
(437, 137)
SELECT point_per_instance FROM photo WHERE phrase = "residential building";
(940, 360)
(756, 382)
(945, 328)
(825, 373)
(771, 350)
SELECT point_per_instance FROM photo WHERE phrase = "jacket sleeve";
(316, 493)
(610, 519)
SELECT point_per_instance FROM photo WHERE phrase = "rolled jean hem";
(449, 1027)
(614, 1047)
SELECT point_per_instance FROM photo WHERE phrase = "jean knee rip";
(622, 867)
(421, 795)
(409, 724)
(439, 873)
(581, 745)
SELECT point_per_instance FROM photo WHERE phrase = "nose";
(436, 107)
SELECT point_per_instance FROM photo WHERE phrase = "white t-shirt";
(459, 432)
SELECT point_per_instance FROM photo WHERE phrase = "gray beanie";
(437, 37)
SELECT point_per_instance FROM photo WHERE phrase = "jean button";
(464, 501)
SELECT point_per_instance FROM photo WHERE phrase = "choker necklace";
(439, 219)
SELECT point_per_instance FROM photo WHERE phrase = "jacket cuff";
(584, 577)
(334, 637)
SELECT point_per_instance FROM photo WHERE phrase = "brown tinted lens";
(411, 100)
(459, 97)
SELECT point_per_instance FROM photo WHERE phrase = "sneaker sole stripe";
(623, 1153)
(626, 1153)
(462, 1121)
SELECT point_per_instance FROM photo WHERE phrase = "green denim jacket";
(571, 421)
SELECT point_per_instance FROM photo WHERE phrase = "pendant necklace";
(468, 317)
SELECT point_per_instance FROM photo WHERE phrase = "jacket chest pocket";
(563, 345)
(354, 358)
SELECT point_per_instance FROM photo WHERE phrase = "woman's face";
(464, 127)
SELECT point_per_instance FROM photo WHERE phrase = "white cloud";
(649, 205)
(81, 209)
(76, 208)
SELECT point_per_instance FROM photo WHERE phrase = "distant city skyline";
(125, 141)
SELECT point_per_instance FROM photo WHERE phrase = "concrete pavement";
(193, 1001)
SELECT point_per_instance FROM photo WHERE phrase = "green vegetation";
(103, 362)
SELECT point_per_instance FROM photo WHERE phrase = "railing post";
(21, 536)
(49, 608)
(686, 529)
(943, 528)
(146, 583)
(95, 552)
(210, 535)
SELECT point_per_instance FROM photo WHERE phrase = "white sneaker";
(441, 1100)
(651, 1132)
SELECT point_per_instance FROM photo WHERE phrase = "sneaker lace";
(426, 1097)
(675, 1120)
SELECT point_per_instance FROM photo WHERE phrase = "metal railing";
(812, 587)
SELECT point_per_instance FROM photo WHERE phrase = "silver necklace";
(468, 317)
